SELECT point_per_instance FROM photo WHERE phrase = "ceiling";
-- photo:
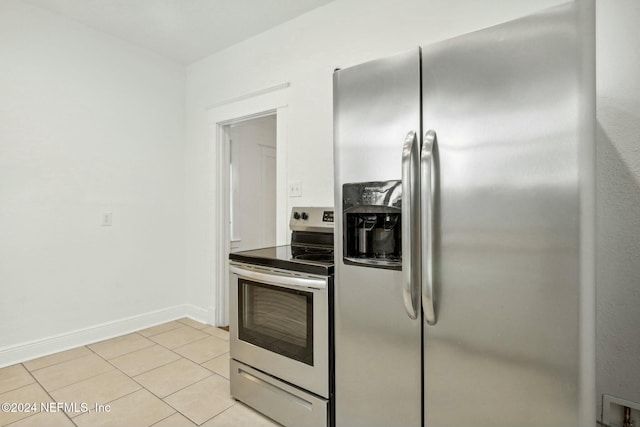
(182, 30)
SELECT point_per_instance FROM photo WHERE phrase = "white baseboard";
(22, 352)
(198, 314)
(203, 315)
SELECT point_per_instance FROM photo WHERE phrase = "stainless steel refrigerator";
(462, 177)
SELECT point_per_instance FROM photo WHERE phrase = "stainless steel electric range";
(281, 323)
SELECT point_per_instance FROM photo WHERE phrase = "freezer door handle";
(428, 181)
(410, 224)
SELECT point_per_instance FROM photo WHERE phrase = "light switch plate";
(295, 189)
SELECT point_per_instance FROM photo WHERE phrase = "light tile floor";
(171, 375)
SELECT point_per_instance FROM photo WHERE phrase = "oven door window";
(277, 319)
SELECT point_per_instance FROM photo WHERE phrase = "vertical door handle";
(410, 225)
(428, 181)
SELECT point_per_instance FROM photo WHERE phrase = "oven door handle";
(275, 278)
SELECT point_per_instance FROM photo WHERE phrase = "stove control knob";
(304, 215)
(296, 215)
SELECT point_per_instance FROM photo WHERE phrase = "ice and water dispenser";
(372, 224)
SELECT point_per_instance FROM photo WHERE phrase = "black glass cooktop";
(305, 260)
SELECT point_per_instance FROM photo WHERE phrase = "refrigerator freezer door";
(377, 345)
(411, 225)
(504, 103)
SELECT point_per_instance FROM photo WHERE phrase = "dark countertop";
(280, 257)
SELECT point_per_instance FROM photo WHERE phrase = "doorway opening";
(250, 208)
(252, 183)
(256, 122)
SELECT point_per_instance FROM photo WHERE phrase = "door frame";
(274, 100)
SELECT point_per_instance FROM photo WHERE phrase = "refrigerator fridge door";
(503, 102)
(377, 344)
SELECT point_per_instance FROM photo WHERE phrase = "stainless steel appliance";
(464, 158)
(281, 323)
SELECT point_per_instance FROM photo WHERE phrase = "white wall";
(618, 194)
(304, 52)
(88, 124)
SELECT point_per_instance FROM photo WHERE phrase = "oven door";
(279, 324)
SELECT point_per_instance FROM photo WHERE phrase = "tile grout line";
(117, 398)
(123, 354)
(57, 363)
(97, 342)
(206, 361)
(76, 348)
(158, 333)
(180, 389)
(199, 364)
(154, 394)
(180, 356)
(190, 342)
(205, 325)
(144, 372)
(115, 368)
(70, 384)
(185, 415)
(48, 394)
(235, 402)
(194, 383)
(83, 379)
(73, 383)
(142, 387)
(209, 360)
(23, 386)
(20, 386)
(168, 416)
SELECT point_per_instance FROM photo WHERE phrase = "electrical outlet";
(107, 219)
(295, 189)
(614, 411)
